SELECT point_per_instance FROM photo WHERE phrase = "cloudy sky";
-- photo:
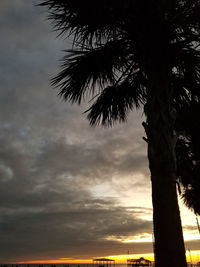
(66, 190)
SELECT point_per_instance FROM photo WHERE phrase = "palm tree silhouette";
(128, 54)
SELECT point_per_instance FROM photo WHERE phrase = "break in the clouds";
(66, 190)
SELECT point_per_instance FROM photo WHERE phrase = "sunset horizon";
(119, 259)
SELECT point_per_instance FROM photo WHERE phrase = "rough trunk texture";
(169, 244)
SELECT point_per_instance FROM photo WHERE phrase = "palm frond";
(188, 172)
(188, 154)
(90, 69)
(185, 14)
(116, 101)
(86, 20)
(189, 64)
(191, 199)
(186, 77)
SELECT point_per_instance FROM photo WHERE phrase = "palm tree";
(128, 54)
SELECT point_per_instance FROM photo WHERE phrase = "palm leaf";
(90, 69)
(191, 198)
(86, 20)
(188, 154)
(115, 101)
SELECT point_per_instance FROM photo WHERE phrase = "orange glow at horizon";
(119, 259)
(56, 261)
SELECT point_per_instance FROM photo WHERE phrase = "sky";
(67, 191)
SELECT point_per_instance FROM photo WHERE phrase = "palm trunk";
(169, 244)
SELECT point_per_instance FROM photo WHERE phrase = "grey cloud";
(190, 227)
(192, 244)
(78, 227)
(42, 208)
(90, 161)
(50, 159)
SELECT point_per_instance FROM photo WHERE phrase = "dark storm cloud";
(50, 159)
(39, 233)
(39, 207)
